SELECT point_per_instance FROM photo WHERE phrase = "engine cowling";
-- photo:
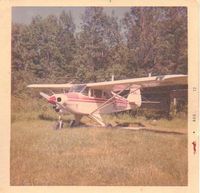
(60, 98)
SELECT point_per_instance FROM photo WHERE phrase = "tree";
(43, 50)
(151, 45)
(92, 49)
(66, 44)
(146, 40)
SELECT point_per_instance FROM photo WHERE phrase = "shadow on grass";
(167, 132)
(145, 129)
(135, 126)
(65, 121)
(126, 124)
(46, 118)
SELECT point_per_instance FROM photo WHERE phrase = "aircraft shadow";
(166, 132)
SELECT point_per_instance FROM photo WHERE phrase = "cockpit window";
(77, 88)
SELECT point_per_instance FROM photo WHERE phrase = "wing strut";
(110, 99)
(97, 117)
(107, 102)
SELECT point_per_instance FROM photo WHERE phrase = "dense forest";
(52, 50)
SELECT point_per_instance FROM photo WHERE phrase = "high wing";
(68, 85)
(154, 81)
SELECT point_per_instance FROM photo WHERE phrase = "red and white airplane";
(94, 99)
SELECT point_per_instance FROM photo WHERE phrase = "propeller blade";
(46, 96)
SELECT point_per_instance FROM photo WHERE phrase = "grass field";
(96, 156)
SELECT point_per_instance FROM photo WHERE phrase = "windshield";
(77, 88)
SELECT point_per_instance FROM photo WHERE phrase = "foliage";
(146, 40)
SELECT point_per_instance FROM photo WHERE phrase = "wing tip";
(31, 86)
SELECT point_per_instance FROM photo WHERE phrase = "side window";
(85, 91)
(106, 95)
(96, 93)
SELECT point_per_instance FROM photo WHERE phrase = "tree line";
(145, 40)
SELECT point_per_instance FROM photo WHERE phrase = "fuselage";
(78, 103)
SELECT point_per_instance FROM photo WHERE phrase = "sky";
(24, 15)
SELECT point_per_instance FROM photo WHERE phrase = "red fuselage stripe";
(95, 100)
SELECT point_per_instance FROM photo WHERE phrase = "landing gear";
(72, 123)
(59, 124)
(76, 121)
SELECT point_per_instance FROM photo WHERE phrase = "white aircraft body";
(94, 99)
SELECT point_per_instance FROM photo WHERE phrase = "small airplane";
(94, 99)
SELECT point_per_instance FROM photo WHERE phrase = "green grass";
(95, 156)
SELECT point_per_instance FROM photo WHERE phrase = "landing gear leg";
(59, 123)
(76, 121)
(72, 123)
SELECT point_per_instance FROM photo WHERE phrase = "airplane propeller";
(51, 100)
(57, 101)
(46, 96)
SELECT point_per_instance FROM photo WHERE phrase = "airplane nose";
(52, 100)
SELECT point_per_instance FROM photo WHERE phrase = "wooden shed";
(170, 99)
